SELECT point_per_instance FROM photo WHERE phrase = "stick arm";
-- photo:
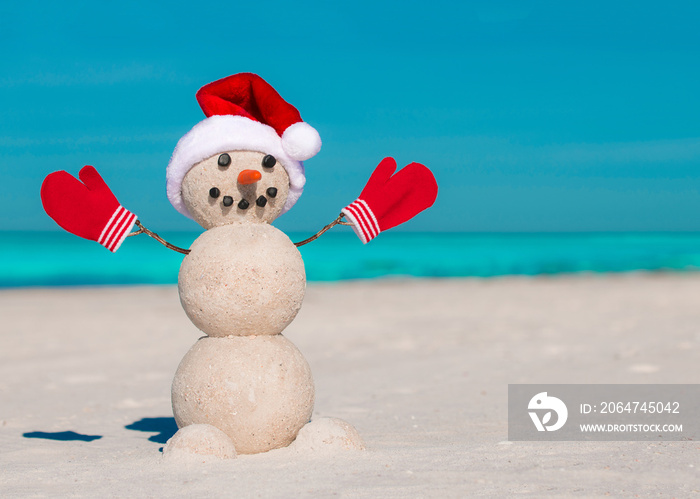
(144, 230)
(337, 221)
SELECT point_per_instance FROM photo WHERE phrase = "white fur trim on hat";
(218, 134)
(301, 141)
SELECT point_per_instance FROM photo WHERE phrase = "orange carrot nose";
(249, 177)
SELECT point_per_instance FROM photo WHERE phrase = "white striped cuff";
(117, 229)
(364, 223)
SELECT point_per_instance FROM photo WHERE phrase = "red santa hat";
(244, 113)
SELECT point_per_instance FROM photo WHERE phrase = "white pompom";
(301, 141)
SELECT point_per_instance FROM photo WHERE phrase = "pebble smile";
(243, 204)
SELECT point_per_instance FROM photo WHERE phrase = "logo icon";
(551, 404)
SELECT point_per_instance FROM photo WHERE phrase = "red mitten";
(389, 200)
(87, 209)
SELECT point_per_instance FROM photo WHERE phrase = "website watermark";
(612, 428)
(603, 412)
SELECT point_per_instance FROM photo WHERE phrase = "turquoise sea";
(60, 259)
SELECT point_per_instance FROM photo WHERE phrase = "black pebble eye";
(272, 191)
(214, 192)
(243, 204)
(269, 161)
(228, 200)
(261, 201)
(224, 160)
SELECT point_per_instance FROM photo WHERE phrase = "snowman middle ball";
(242, 279)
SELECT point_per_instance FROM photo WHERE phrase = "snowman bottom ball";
(257, 390)
(242, 279)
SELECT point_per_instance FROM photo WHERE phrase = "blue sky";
(534, 116)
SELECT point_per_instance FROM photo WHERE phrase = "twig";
(321, 232)
(144, 230)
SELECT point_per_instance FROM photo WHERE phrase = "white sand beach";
(420, 367)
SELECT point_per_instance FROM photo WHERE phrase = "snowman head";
(235, 186)
(247, 120)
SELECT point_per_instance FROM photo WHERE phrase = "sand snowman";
(243, 281)
(243, 388)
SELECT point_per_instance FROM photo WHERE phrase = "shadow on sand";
(64, 436)
(164, 427)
